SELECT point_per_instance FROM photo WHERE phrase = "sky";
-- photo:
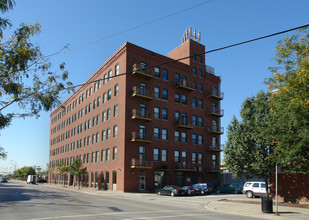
(86, 26)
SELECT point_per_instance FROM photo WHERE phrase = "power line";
(173, 61)
(134, 27)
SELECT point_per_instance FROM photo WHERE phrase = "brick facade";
(168, 122)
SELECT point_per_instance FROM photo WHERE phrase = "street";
(21, 201)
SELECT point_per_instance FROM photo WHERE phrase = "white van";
(31, 179)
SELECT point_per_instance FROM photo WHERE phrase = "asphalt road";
(39, 202)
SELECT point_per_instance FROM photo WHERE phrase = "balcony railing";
(215, 147)
(215, 130)
(140, 137)
(137, 163)
(141, 93)
(215, 94)
(214, 168)
(183, 123)
(184, 166)
(217, 112)
(139, 70)
(184, 84)
(142, 115)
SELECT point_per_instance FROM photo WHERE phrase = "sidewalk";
(255, 210)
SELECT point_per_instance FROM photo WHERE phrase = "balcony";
(141, 93)
(185, 85)
(214, 147)
(217, 112)
(140, 137)
(142, 71)
(214, 94)
(183, 123)
(215, 130)
(184, 166)
(141, 164)
(214, 168)
(141, 115)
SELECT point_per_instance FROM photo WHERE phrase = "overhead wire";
(175, 60)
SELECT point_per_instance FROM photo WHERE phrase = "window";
(156, 133)
(104, 97)
(194, 102)
(214, 142)
(214, 125)
(184, 157)
(200, 87)
(115, 110)
(164, 155)
(103, 116)
(200, 139)
(164, 134)
(109, 94)
(164, 74)
(94, 103)
(156, 112)
(103, 135)
(108, 114)
(200, 103)
(108, 133)
(194, 140)
(157, 92)
(142, 153)
(200, 158)
(164, 94)
(200, 121)
(157, 72)
(164, 114)
(176, 136)
(214, 107)
(117, 69)
(116, 89)
(200, 59)
(114, 153)
(98, 119)
(194, 85)
(98, 101)
(194, 71)
(177, 78)
(115, 131)
(177, 97)
(107, 154)
(105, 79)
(184, 137)
(93, 157)
(176, 156)
(102, 155)
(177, 116)
(156, 154)
(184, 99)
(193, 157)
(143, 67)
(194, 120)
(97, 156)
(110, 75)
(194, 57)
(200, 73)
(97, 138)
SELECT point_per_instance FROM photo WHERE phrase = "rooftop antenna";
(191, 35)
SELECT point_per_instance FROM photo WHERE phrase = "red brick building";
(141, 121)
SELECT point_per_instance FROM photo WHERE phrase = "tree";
(24, 171)
(26, 78)
(62, 169)
(249, 149)
(290, 102)
(3, 154)
(76, 169)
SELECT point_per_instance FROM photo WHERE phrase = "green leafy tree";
(76, 169)
(290, 102)
(62, 169)
(26, 78)
(249, 149)
(24, 172)
(3, 154)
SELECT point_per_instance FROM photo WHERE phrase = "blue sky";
(221, 23)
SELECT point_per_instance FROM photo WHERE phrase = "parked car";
(190, 191)
(252, 189)
(4, 180)
(202, 188)
(42, 180)
(171, 191)
(229, 188)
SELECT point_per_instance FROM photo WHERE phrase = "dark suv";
(202, 188)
